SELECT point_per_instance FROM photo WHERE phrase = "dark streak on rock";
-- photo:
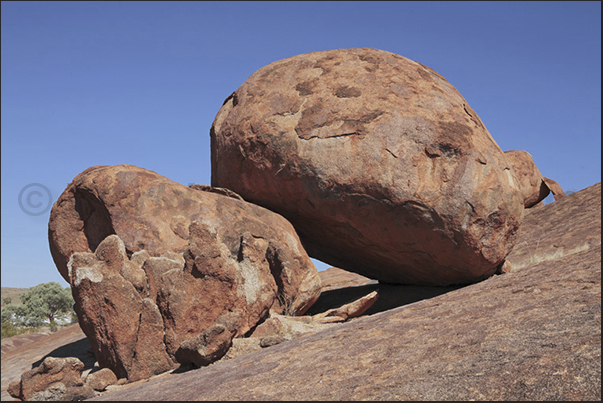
(475, 120)
(389, 151)
(232, 96)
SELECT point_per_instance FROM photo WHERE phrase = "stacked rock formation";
(378, 162)
(365, 159)
(176, 272)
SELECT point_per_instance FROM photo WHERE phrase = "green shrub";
(9, 330)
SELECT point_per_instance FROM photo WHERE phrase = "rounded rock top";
(379, 163)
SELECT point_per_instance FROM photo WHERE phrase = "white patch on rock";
(90, 273)
(252, 282)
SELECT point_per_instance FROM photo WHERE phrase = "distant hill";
(13, 294)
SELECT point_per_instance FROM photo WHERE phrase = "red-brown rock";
(99, 380)
(54, 379)
(555, 188)
(68, 341)
(379, 163)
(125, 329)
(152, 213)
(145, 314)
(347, 311)
(531, 181)
(200, 302)
(215, 296)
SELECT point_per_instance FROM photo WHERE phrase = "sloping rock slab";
(10, 343)
(67, 342)
(569, 225)
(531, 334)
(334, 278)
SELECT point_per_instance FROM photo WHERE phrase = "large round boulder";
(379, 163)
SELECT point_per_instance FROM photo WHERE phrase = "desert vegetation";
(46, 305)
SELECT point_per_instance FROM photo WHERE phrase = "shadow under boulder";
(389, 296)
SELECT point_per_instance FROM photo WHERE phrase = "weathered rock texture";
(187, 313)
(124, 327)
(275, 330)
(347, 311)
(146, 314)
(559, 229)
(531, 181)
(99, 380)
(555, 188)
(334, 277)
(531, 334)
(153, 213)
(57, 379)
(67, 342)
(379, 163)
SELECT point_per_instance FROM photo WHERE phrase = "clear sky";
(88, 83)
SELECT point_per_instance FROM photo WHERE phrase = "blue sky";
(87, 83)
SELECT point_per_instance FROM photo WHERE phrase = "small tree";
(45, 302)
(15, 321)
(12, 314)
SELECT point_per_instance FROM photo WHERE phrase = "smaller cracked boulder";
(99, 380)
(152, 213)
(531, 182)
(55, 379)
(145, 315)
(206, 347)
(165, 275)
